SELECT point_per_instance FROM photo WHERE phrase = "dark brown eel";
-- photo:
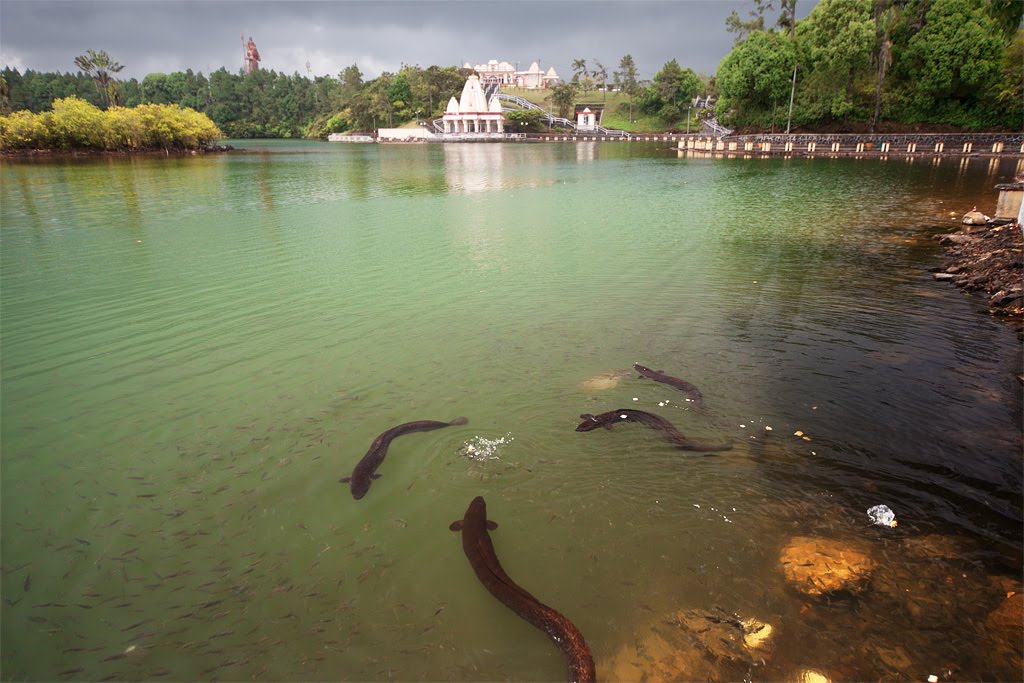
(667, 429)
(692, 392)
(366, 468)
(476, 543)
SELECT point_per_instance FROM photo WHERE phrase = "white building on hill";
(472, 113)
(503, 73)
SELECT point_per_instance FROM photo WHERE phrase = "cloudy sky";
(170, 35)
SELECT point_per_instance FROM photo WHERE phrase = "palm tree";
(579, 71)
(99, 66)
(601, 76)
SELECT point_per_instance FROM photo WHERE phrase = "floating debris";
(881, 515)
(481, 448)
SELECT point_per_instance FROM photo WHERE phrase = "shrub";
(76, 124)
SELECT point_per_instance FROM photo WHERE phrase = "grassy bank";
(616, 110)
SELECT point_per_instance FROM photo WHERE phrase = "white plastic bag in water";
(882, 515)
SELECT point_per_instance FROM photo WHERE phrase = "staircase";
(710, 126)
(551, 118)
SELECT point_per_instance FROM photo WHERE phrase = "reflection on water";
(472, 168)
(585, 151)
(176, 414)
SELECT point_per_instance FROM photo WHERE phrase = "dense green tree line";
(264, 103)
(74, 124)
(955, 62)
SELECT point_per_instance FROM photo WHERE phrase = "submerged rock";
(606, 380)
(1005, 627)
(694, 645)
(817, 567)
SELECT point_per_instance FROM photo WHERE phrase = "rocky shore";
(990, 260)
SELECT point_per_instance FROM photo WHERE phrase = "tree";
(351, 80)
(1008, 14)
(99, 66)
(755, 75)
(563, 96)
(836, 41)
(742, 29)
(670, 92)
(579, 70)
(379, 106)
(399, 92)
(953, 62)
(787, 17)
(886, 14)
(525, 120)
(625, 80)
(581, 75)
(1011, 96)
(5, 97)
(675, 84)
(600, 74)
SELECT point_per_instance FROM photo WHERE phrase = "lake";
(196, 349)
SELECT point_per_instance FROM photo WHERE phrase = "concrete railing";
(821, 144)
(884, 143)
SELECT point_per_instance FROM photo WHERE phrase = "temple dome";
(472, 99)
(534, 68)
(551, 73)
(495, 106)
(453, 107)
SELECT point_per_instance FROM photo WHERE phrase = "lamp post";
(688, 120)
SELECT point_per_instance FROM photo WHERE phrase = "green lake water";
(195, 350)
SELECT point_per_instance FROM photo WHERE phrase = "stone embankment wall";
(924, 144)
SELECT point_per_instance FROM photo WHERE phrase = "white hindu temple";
(503, 73)
(472, 113)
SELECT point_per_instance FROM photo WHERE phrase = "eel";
(366, 469)
(667, 429)
(692, 392)
(476, 543)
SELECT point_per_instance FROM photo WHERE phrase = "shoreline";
(988, 260)
(98, 153)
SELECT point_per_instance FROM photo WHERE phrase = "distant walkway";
(853, 144)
